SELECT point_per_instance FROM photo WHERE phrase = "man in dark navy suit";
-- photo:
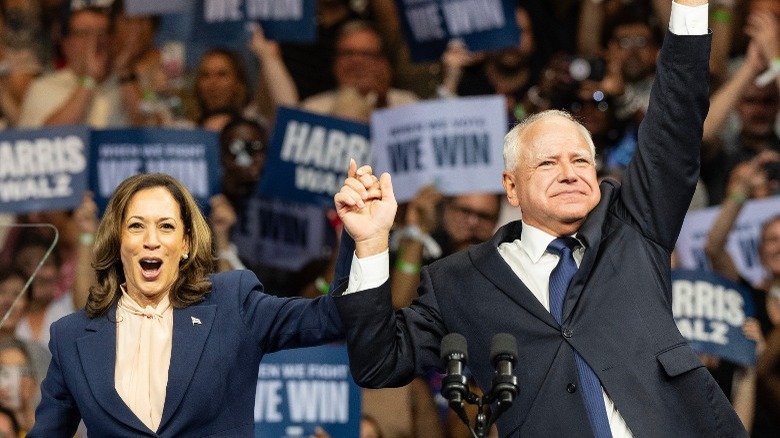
(582, 281)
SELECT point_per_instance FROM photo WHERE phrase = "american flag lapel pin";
(195, 321)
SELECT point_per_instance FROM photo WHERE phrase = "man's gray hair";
(512, 144)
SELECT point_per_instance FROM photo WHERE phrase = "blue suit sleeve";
(281, 323)
(57, 413)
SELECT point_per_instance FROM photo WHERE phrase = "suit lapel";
(489, 262)
(191, 328)
(97, 352)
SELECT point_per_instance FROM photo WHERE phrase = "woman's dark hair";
(191, 284)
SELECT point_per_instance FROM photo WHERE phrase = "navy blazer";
(617, 313)
(216, 351)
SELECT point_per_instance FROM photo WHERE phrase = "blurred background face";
(769, 249)
(758, 110)
(88, 32)
(18, 381)
(243, 155)
(218, 85)
(360, 63)
(633, 45)
(44, 286)
(471, 218)
(9, 290)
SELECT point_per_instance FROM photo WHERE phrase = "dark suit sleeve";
(660, 180)
(386, 348)
(280, 323)
(57, 414)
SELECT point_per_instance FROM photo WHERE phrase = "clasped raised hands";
(366, 205)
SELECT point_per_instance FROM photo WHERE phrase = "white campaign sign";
(742, 243)
(456, 144)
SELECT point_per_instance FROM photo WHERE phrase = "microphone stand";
(483, 422)
(503, 389)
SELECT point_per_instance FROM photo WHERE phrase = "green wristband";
(721, 16)
(406, 267)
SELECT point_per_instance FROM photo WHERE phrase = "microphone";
(453, 354)
(503, 355)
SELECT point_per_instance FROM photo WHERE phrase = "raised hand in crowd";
(763, 27)
(221, 219)
(86, 218)
(454, 59)
(421, 218)
(279, 83)
(747, 180)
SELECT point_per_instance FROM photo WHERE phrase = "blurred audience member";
(89, 89)
(435, 226)
(22, 51)
(310, 64)
(508, 72)
(748, 180)
(755, 106)
(633, 42)
(222, 85)
(43, 306)
(363, 76)
(12, 282)
(19, 389)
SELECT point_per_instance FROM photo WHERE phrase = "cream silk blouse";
(143, 356)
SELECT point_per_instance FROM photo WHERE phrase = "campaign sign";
(284, 21)
(189, 155)
(300, 389)
(428, 25)
(309, 156)
(742, 242)
(456, 144)
(43, 169)
(709, 311)
(155, 7)
(280, 234)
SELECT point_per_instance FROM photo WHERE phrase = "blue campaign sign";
(223, 21)
(709, 311)
(189, 155)
(298, 390)
(43, 169)
(428, 25)
(309, 156)
(281, 234)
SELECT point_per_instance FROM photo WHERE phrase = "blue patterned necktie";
(560, 277)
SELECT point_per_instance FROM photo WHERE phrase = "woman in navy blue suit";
(165, 348)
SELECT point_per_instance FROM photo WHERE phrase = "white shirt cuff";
(689, 20)
(369, 272)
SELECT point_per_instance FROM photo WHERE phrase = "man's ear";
(510, 186)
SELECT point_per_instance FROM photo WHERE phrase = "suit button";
(571, 388)
(567, 333)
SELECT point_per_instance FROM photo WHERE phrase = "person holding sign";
(163, 348)
(582, 282)
(750, 180)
